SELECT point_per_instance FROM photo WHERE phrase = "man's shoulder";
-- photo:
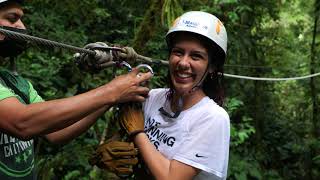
(4, 73)
(16, 84)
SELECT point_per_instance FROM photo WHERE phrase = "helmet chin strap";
(180, 98)
(176, 114)
(193, 89)
(199, 84)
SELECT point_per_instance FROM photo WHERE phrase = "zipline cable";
(50, 43)
(271, 79)
(46, 42)
(247, 66)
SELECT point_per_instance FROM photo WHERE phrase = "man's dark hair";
(11, 1)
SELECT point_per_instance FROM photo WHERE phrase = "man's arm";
(27, 121)
(64, 135)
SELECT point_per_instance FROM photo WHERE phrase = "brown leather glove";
(131, 119)
(116, 156)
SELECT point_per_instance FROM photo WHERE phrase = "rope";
(130, 55)
(153, 61)
(126, 54)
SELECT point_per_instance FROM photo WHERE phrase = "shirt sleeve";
(152, 102)
(33, 94)
(206, 146)
(6, 92)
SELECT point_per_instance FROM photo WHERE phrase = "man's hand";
(94, 63)
(128, 87)
(116, 156)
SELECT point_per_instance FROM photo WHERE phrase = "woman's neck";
(188, 100)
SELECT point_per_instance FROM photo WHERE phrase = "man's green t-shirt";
(16, 156)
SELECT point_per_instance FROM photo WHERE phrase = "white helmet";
(201, 23)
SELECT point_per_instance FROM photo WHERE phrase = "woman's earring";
(211, 75)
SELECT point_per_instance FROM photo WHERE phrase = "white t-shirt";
(199, 136)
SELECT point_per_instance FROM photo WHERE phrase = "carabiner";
(125, 64)
(120, 65)
(141, 66)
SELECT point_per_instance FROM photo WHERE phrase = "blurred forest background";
(275, 131)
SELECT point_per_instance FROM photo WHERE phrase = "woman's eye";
(196, 57)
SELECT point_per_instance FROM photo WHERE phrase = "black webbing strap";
(23, 96)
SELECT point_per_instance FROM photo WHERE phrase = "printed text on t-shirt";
(156, 135)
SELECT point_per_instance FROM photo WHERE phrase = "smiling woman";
(188, 63)
(25, 116)
(187, 131)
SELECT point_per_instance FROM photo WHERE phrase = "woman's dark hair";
(212, 85)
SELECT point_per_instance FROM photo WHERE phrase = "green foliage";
(240, 131)
(171, 9)
(54, 75)
(243, 168)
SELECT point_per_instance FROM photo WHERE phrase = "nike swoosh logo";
(197, 155)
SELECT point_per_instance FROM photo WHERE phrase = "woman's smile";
(183, 77)
(188, 64)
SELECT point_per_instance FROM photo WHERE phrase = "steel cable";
(50, 43)
(271, 79)
(41, 41)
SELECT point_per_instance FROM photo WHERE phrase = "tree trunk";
(315, 110)
(148, 26)
(313, 88)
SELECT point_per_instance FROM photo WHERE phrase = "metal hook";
(141, 66)
(128, 66)
(125, 64)
(120, 65)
